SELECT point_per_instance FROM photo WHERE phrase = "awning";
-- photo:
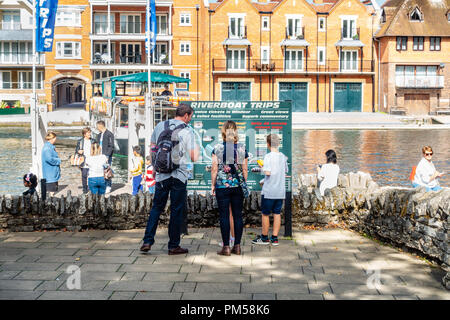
(143, 77)
(139, 77)
(294, 43)
(349, 43)
(236, 42)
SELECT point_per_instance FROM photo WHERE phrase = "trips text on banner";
(45, 24)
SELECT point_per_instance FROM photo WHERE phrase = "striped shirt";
(149, 180)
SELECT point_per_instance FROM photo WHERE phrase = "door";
(347, 97)
(297, 93)
(417, 104)
(235, 91)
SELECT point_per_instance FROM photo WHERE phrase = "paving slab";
(184, 287)
(130, 285)
(38, 275)
(123, 295)
(19, 284)
(19, 294)
(217, 287)
(75, 295)
(158, 296)
(22, 266)
(299, 296)
(215, 296)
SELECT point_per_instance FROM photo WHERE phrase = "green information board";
(255, 120)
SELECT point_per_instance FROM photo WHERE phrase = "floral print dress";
(230, 169)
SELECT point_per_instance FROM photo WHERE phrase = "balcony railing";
(350, 34)
(9, 25)
(128, 28)
(237, 32)
(419, 81)
(20, 85)
(8, 57)
(298, 33)
(129, 59)
(290, 66)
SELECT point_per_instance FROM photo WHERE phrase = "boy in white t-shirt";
(273, 191)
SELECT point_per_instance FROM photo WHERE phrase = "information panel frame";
(255, 120)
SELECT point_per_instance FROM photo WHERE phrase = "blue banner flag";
(45, 24)
(152, 12)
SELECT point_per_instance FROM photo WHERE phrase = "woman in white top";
(97, 162)
(426, 174)
(328, 173)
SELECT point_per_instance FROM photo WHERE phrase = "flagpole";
(148, 105)
(35, 168)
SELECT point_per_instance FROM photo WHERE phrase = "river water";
(387, 155)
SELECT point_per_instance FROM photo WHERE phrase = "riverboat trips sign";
(255, 120)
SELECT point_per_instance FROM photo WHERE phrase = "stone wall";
(410, 218)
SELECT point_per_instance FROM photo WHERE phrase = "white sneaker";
(108, 190)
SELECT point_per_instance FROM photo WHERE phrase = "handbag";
(244, 187)
(76, 160)
(108, 173)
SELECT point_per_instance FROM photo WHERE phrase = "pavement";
(316, 265)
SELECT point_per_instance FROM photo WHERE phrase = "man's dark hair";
(183, 109)
(101, 122)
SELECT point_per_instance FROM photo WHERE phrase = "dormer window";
(448, 16)
(416, 15)
(383, 16)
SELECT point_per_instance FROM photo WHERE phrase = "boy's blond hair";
(95, 149)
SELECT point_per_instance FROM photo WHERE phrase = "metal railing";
(128, 28)
(237, 32)
(291, 66)
(351, 34)
(419, 81)
(16, 57)
(299, 33)
(21, 85)
(9, 25)
(129, 59)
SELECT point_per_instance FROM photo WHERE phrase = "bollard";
(44, 189)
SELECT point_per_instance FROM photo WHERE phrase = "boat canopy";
(138, 77)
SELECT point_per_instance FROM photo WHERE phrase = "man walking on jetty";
(173, 148)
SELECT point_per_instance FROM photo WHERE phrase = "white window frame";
(354, 19)
(288, 63)
(157, 53)
(416, 9)
(242, 57)
(184, 45)
(265, 20)
(11, 25)
(158, 24)
(2, 82)
(324, 24)
(126, 23)
(263, 49)
(109, 73)
(29, 76)
(342, 63)
(324, 51)
(185, 15)
(104, 30)
(59, 53)
(296, 33)
(240, 16)
(128, 53)
(66, 17)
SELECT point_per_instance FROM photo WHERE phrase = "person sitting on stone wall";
(426, 174)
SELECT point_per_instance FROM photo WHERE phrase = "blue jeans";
(177, 191)
(137, 185)
(97, 185)
(225, 197)
(109, 181)
(436, 188)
